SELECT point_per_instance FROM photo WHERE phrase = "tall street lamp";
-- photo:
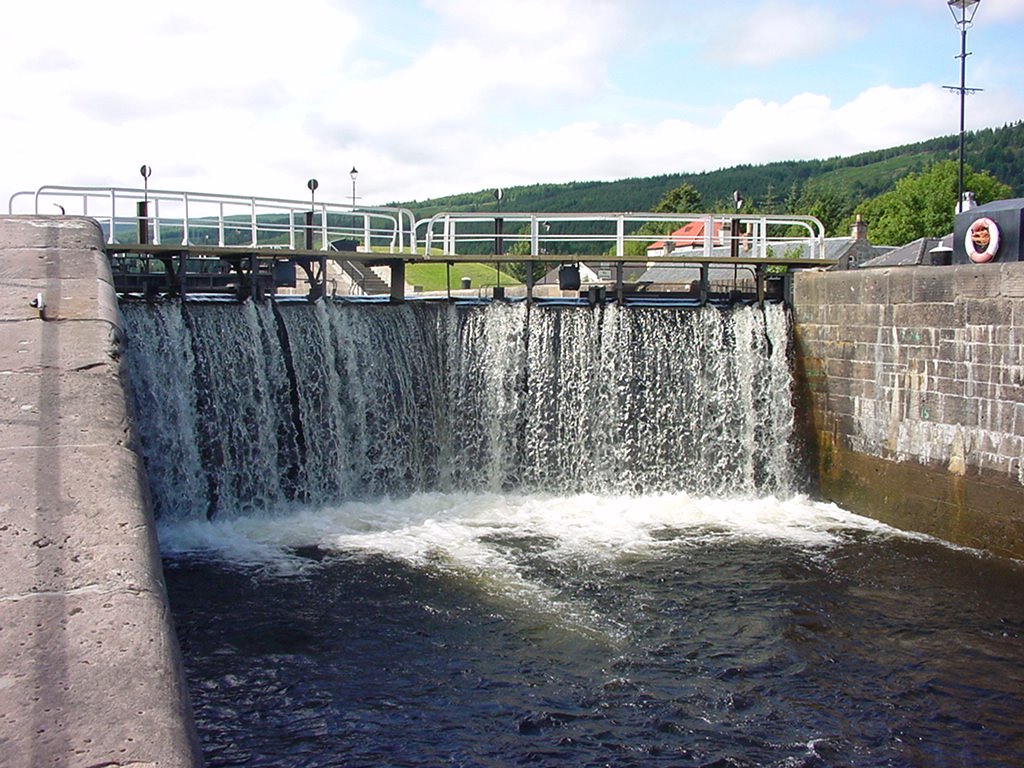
(963, 14)
(353, 174)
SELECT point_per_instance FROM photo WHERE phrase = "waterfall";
(252, 407)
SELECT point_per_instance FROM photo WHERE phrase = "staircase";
(364, 278)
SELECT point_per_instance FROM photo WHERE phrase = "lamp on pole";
(143, 207)
(963, 14)
(311, 185)
(352, 175)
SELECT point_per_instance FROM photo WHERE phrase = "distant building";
(848, 252)
(911, 254)
(690, 235)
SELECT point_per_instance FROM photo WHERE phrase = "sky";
(434, 97)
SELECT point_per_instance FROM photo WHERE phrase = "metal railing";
(197, 218)
(607, 235)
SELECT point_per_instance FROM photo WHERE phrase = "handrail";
(258, 220)
(755, 235)
(224, 214)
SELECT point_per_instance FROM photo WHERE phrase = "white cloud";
(998, 11)
(775, 31)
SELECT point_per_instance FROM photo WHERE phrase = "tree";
(683, 199)
(831, 207)
(518, 269)
(924, 204)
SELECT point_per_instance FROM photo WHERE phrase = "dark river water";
(489, 630)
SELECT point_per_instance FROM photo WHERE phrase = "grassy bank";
(440, 277)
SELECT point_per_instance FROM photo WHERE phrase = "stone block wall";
(91, 668)
(912, 381)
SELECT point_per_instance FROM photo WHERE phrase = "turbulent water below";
(661, 630)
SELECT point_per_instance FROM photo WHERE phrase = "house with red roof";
(690, 235)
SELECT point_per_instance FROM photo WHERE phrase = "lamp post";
(311, 185)
(143, 207)
(963, 15)
(352, 175)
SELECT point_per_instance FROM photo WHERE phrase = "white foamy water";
(521, 550)
(472, 532)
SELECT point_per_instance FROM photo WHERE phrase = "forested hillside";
(838, 184)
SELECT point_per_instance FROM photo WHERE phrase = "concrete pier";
(91, 673)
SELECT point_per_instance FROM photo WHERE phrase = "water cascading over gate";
(263, 406)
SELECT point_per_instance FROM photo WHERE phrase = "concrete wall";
(913, 385)
(91, 673)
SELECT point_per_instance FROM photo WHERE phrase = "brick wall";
(912, 381)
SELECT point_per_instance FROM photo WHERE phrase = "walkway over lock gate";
(181, 243)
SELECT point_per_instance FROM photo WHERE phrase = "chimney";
(859, 230)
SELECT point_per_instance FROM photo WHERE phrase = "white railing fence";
(194, 219)
(607, 235)
(199, 218)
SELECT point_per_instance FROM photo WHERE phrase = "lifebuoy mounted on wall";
(981, 243)
(992, 233)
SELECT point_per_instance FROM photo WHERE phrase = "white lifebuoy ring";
(982, 240)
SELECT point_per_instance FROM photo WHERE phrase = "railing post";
(185, 239)
(220, 224)
(401, 231)
(113, 216)
(620, 236)
(253, 220)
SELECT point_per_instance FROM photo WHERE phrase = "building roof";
(847, 252)
(910, 254)
(690, 235)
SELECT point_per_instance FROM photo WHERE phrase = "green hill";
(766, 187)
